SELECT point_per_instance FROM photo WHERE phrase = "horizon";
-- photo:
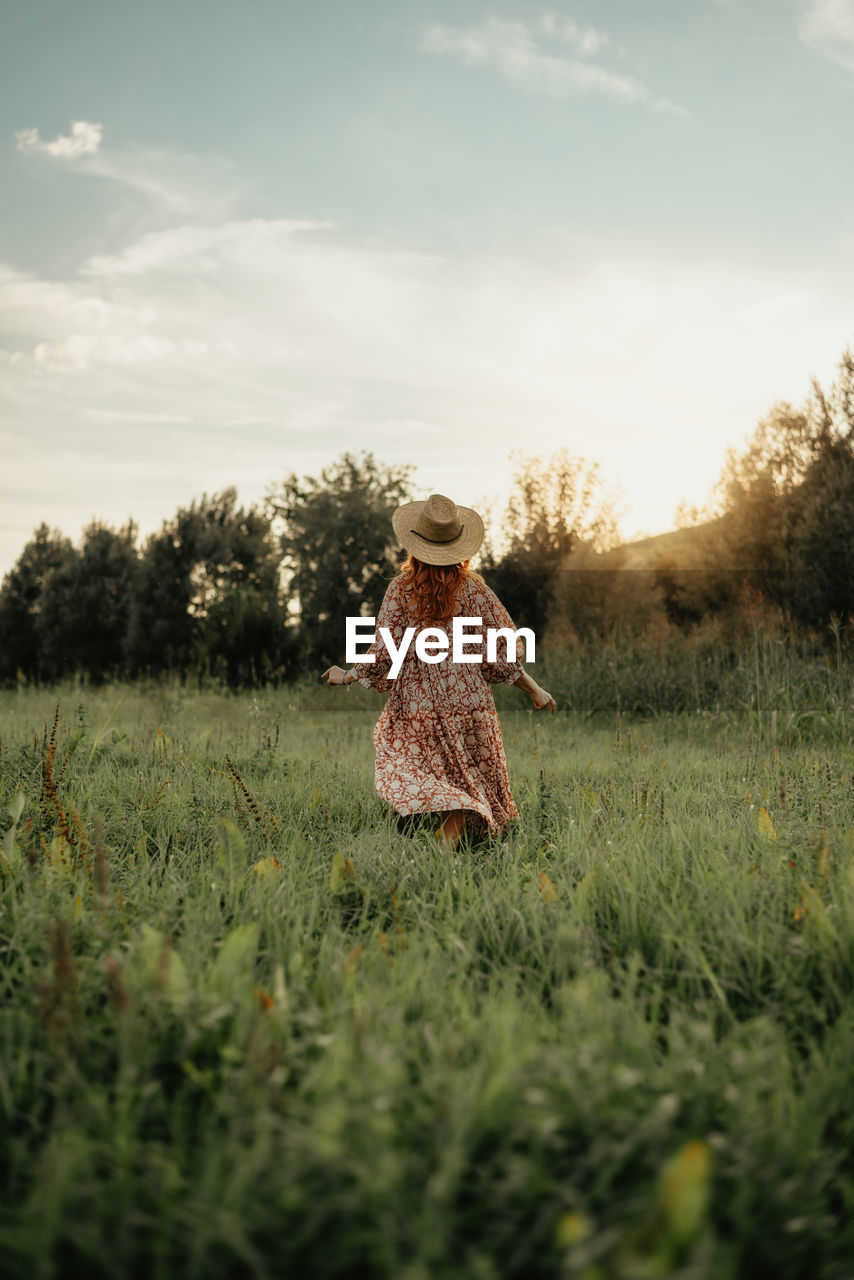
(239, 243)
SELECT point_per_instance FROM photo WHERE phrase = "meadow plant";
(248, 1028)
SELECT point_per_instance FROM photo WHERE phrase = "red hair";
(433, 588)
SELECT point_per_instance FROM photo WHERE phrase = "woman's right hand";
(541, 699)
(334, 675)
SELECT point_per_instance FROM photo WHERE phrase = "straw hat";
(438, 531)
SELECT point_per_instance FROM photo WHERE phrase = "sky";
(238, 237)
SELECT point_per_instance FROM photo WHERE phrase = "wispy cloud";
(533, 56)
(84, 140)
(587, 40)
(199, 246)
(174, 182)
(828, 27)
(138, 172)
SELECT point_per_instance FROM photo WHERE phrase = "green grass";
(615, 1044)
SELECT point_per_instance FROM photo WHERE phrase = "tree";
(788, 503)
(556, 506)
(20, 602)
(208, 594)
(237, 600)
(338, 545)
(819, 517)
(85, 604)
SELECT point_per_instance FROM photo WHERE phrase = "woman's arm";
(337, 675)
(540, 698)
(510, 670)
(374, 675)
(485, 603)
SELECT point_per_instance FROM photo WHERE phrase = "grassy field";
(249, 1030)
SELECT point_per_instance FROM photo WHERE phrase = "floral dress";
(438, 739)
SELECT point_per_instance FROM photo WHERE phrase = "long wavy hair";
(432, 589)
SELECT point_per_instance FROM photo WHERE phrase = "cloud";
(206, 355)
(191, 246)
(32, 304)
(828, 27)
(173, 181)
(131, 173)
(176, 182)
(587, 40)
(137, 417)
(516, 50)
(84, 140)
(81, 351)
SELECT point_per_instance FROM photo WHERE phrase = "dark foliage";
(85, 603)
(208, 595)
(20, 602)
(338, 546)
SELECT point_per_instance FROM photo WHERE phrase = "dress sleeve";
(495, 615)
(374, 675)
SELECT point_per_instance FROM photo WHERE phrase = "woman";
(438, 740)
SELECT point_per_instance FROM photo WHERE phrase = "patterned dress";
(438, 739)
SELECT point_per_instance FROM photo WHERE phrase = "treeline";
(775, 542)
(260, 594)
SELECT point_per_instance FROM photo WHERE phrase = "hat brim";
(462, 548)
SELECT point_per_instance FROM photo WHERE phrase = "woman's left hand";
(334, 675)
(542, 699)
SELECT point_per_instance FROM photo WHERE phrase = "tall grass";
(250, 1030)
(792, 685)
